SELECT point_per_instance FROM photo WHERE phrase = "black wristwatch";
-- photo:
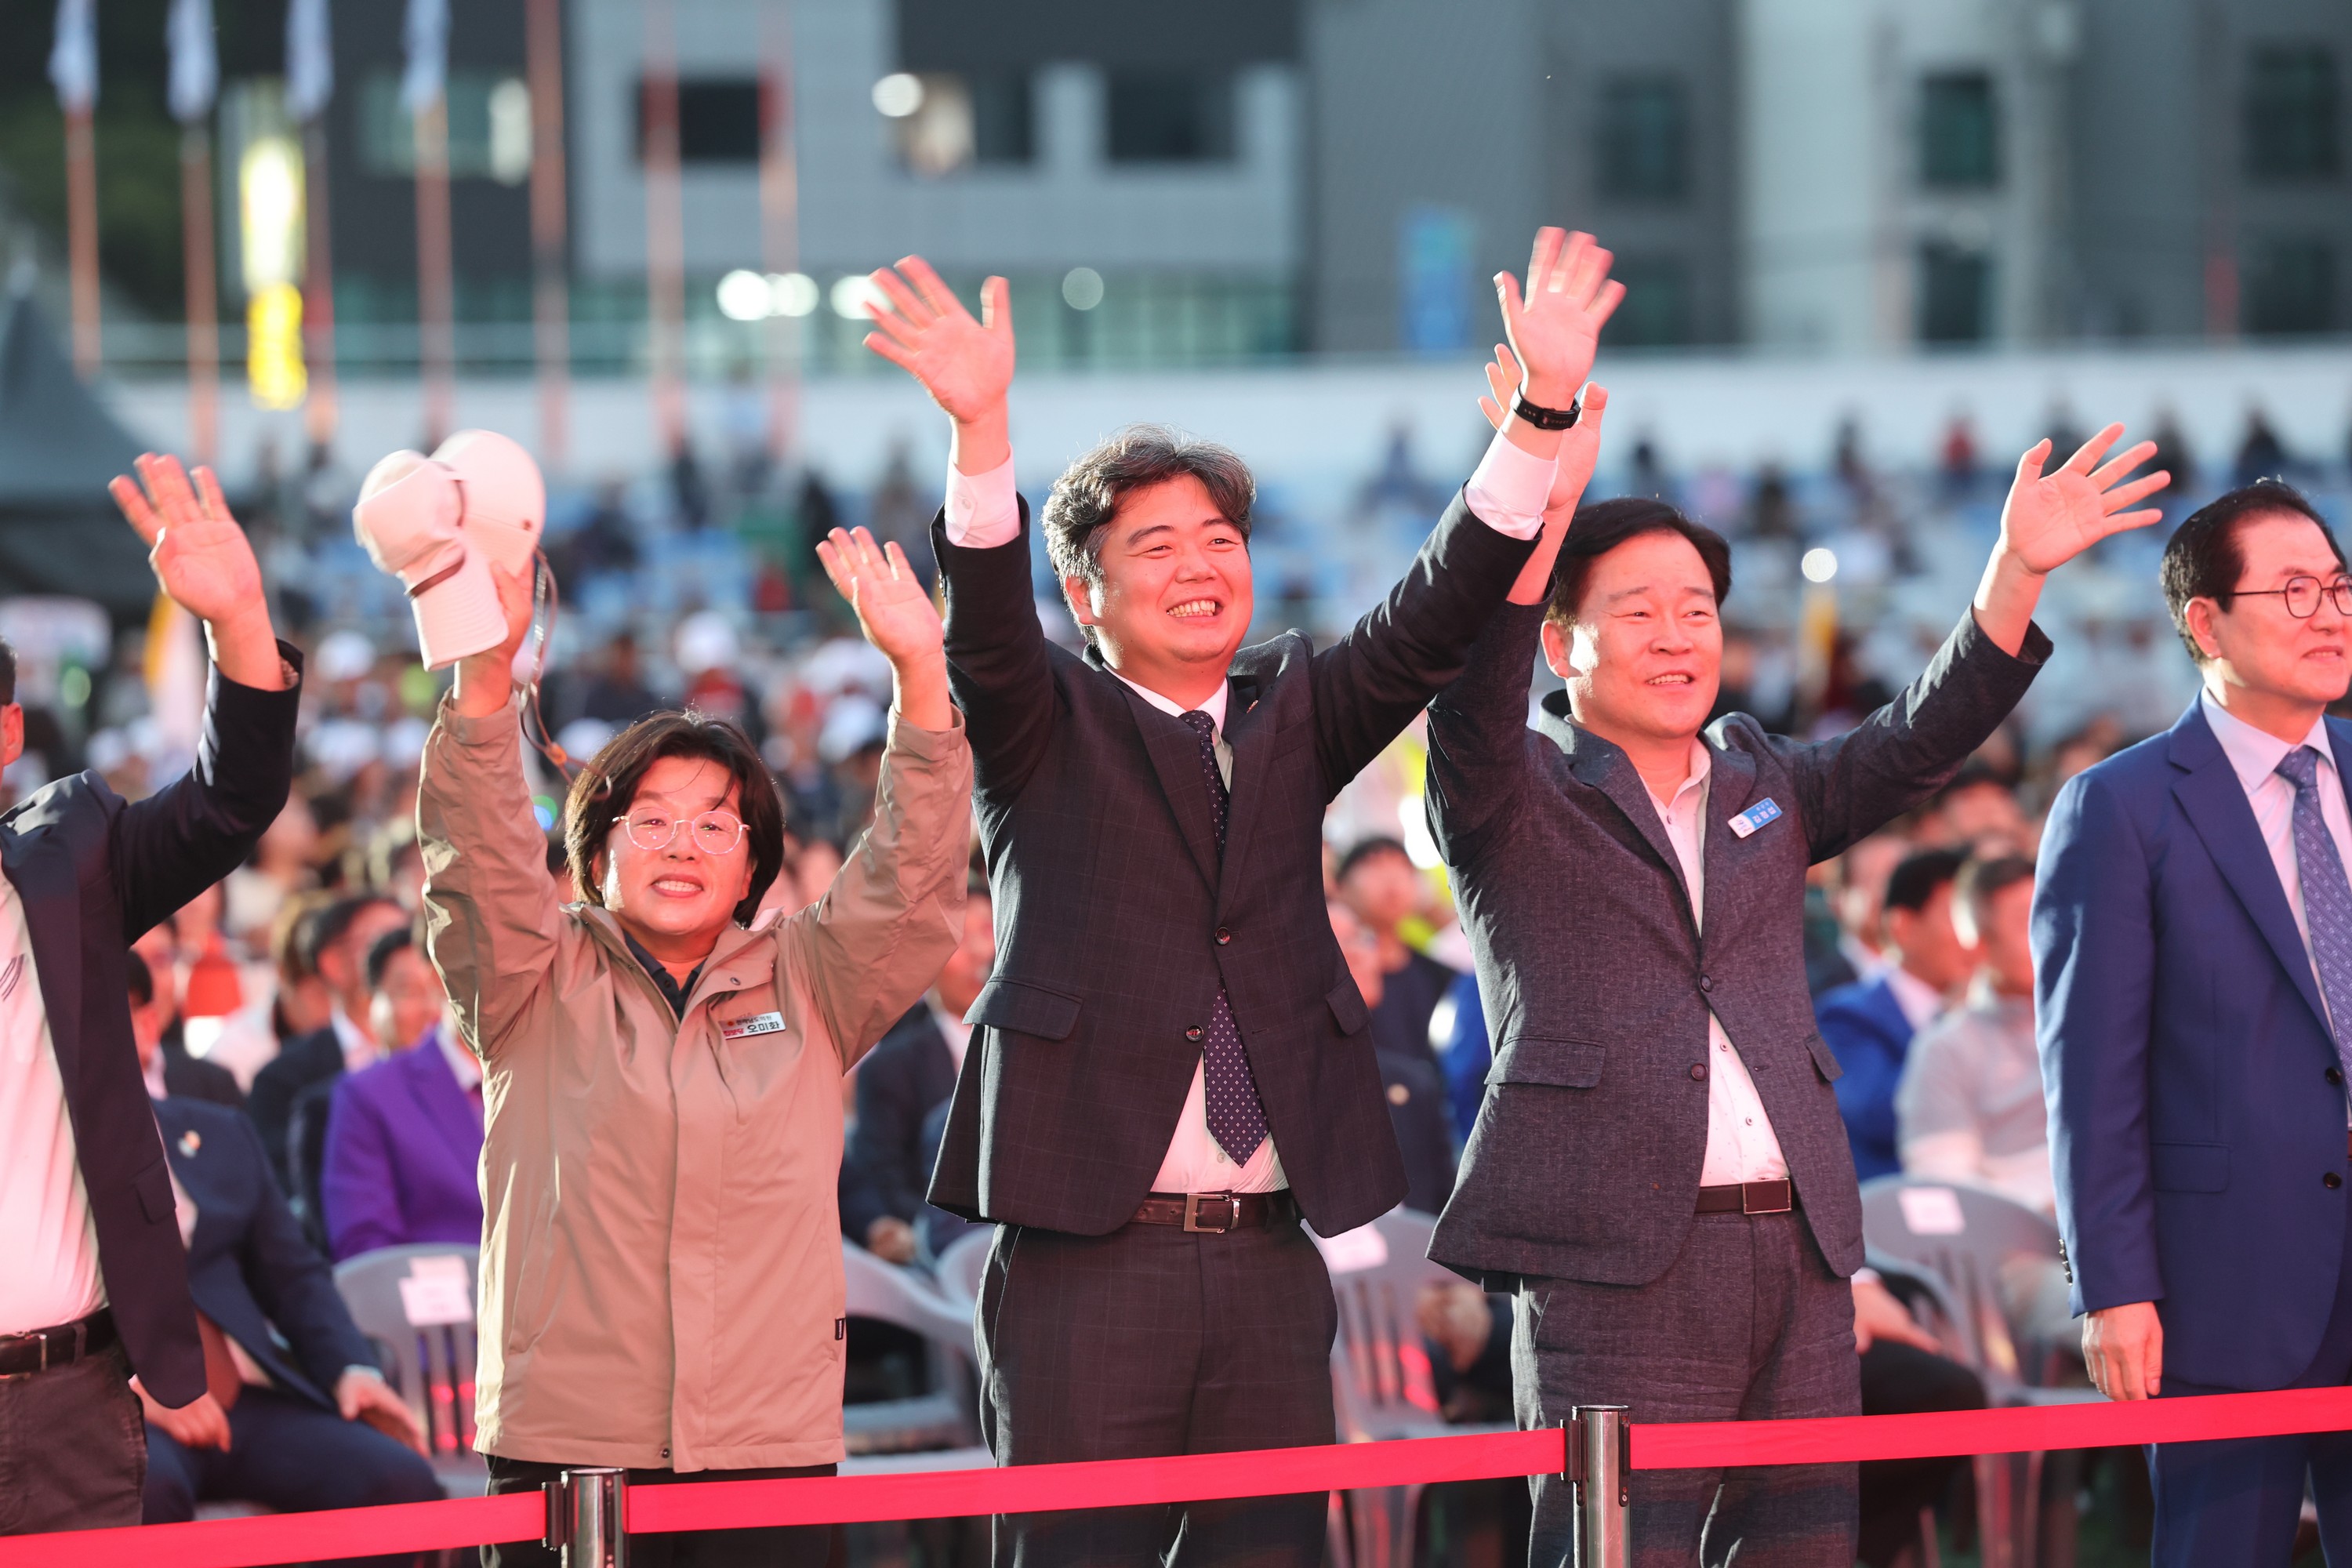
(1544, 418)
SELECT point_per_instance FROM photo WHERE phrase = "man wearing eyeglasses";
(2192, 937)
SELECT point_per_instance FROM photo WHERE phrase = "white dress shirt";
(953, 1031)
(48, 1241)
(359, 1047)
(1921, 1002)
(2255, 756)
(1507, 493)
(1741, 1144)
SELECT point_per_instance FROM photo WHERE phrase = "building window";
(488, 119)
(2291, 114)
(1955, 294)
(718, 120)
(1170, 117)
(949, 122)
(1644, 139)
(1657, 310)
(1960, 143)
(2291, 288)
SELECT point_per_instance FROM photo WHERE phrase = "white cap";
(506, 499)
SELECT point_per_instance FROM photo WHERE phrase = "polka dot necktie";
(1236, 1115)
(2326, 896)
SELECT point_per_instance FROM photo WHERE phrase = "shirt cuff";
(1508, 492)
(983, 510)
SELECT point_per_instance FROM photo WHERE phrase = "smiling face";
(1644, 656)
(678, 900)
(408, 999)
(2255, 648)
(1173, 599)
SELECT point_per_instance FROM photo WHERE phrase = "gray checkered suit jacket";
(1116, 919)
(1584, 1162)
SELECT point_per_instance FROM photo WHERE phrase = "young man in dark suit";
(1169, 1007)
(93, 1282)
(2193, 947)
(1658, 1168)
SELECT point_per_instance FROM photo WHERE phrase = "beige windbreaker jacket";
(661, 1279)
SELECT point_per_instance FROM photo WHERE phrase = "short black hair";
(399, 940)
(2203, 559)
(607, 787)
(1917, 876)
(328, 925)
(1604, 525)
(1366, 849)
(140, 979)
(1085, 500)
(1981, 879)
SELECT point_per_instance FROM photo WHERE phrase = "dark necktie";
(2326, 897)
(1236, 1115)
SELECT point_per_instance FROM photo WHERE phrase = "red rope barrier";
(1345, 1467)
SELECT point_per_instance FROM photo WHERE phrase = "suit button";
(2336, 1075)
(1223, 936)
(2331, 1180)
(1698, 1072)
(1705, 983)
(1194, 1033)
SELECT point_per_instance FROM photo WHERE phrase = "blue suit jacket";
(1868, 1032)
(249, 1266)
(2195, 1101)
(404, 1156)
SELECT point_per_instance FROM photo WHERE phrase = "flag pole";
(779, 230)
(73, 70)
(665, 226)
(310, 83)
(551, 296)
(425, 91)
(203, 291)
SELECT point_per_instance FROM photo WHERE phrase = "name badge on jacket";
(756, 1024)
(1763, 811)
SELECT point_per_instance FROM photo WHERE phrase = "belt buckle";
(1193, 1202)
(1748, 1204)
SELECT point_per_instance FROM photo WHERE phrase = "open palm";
(2051, 518)
(1554, 323)
(923, 329)
(1579, 449)
(893, 609)
(199, 553)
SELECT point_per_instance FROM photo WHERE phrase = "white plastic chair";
(942, 1427)
(415, 1304)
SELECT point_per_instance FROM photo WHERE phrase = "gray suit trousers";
(1748, 1323)
(1146, 1343)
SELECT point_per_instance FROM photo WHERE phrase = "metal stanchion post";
(585, 1516)
(1601, 1453)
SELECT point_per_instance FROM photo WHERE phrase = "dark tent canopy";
(60, 530)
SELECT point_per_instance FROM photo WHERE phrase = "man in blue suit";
(294, 1412)
(2192, 937)
(1868, 1025)
(404, 1146)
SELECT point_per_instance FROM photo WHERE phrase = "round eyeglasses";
(715, 832)
(2302, 595)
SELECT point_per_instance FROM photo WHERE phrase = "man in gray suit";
(1658, 1170)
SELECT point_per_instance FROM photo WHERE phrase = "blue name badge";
(1763, 811)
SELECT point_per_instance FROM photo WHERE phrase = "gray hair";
(1087, 498)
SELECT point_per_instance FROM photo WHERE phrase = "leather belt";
(1214, 1213)
(1748, 1197)
(21, 1355)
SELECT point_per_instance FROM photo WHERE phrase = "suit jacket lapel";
(1250, 731)
(2216, 806)
(1732, 780)
(1604, 766)
(1175, 753)
(43, 876)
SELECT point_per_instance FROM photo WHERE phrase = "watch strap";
(1544, 418)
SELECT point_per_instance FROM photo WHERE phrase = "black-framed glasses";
(2302, 595)
(715, 832)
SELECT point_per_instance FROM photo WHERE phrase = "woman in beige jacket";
(661, 1285)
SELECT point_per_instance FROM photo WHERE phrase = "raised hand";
(923, 329)
(199, 553)
(1579, 448)
(2051, 518)
(1554, 323)
(201, 559)
(898, 617)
